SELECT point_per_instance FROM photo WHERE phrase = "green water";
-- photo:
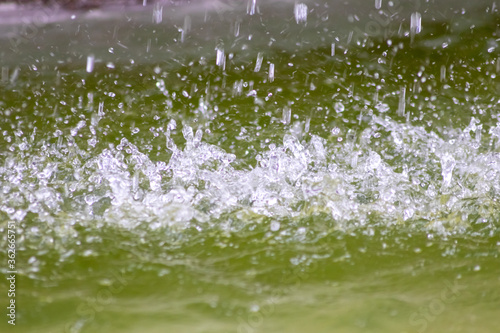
(222, 168)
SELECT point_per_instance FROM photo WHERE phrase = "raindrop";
(415, 24)
(251, 7)
(402, 101)
(157, 13)
(271, 72)
(14, 75)
(287, 115)
(236, 28)
(300, 12)
(186, 27)
(333, 49)
(443, 73)
(238, 88)
(100, 111)
(258, 63)
(378, 4)
(221, 58)
(90, 63)
(5, 74)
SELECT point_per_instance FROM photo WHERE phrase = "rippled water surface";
(253, 167)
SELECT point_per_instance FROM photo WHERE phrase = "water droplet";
(157, 13)
(287, 115)
(415, 24)
(402, 101)
(339, 107)
(251, 6)
(90, 63)
(221, 58)
(271, 72)
(443, 73)
(258, 62)
(300, 11)
(275, 226)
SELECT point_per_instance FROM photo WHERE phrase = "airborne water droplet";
(258, 62)
(339, 107)
(300, 11)
(271, 72)
(443, 73)
(275, 226)
(221, 58)
(90, 63)
(415, 24)
(5, 74)
(251, 7)
(157, 13)
(287, 115)
(402, 101)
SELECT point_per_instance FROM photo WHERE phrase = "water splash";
(402, 175)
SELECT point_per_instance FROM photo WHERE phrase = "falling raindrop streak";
(271, 72)
(443, 73)
(402, 101)
(157, 13)
(258, 62)
(251, 7)
(415, 24)
(90, 63)
(300, 11)
(287, 115)
(5, 74)
(220, 58)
